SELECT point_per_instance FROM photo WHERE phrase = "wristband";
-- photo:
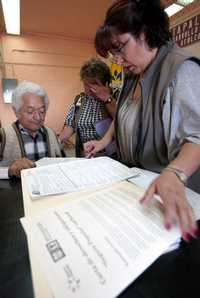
(180, 174)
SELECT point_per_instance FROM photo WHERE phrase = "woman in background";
(91, 106)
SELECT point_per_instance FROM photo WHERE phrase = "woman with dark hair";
(92, 111)
(158, 115)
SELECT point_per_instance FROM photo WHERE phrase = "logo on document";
(55, 250)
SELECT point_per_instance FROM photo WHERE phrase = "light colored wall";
(53, 63)
(184, 15)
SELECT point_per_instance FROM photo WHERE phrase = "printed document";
(144, 178)
(76, 175)
(94, 246)
(45, 161)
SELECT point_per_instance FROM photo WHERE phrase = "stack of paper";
(81, 174)
(95, 246)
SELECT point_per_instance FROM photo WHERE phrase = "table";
(15, 274)
(173, 275)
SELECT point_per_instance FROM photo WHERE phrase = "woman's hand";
(176, 207)
(92, 147)
(100, 91)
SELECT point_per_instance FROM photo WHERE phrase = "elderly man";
(27, 140)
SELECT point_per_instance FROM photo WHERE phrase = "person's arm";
(94, 146)
(9, 169)
(184, 137)
(69, 125)
(66, 133)
(111, 107)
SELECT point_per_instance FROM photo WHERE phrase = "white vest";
(12, 145)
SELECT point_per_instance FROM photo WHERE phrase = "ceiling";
(62, 17)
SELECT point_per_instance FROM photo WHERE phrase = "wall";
(53, 63)
(186, 14)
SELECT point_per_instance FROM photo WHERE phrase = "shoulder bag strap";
(2, 142)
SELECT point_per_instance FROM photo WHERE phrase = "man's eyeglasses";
(32, 112)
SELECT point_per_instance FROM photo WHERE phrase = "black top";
(15, 275)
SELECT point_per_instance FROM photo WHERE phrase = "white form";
(4, 173)
(45, 161)
(75, 176)
(95, 246)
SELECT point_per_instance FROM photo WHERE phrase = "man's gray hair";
(28, 87)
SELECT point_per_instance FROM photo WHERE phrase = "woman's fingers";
(148, 196)
(168, 208)
(176, 206)
(186, 218)
(88, 147)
